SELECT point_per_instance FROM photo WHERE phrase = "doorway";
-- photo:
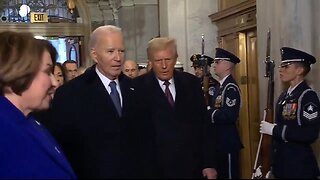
(244, 45)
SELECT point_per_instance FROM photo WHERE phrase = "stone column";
(101, 13)
(189, 22)
(139, 21)
(115, 5)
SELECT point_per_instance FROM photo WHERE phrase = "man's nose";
(163, 64)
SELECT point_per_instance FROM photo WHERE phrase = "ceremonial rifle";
(262, 165)
(206, 71)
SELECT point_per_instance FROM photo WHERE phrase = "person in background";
(59, 73)
(297, 120)
(71, 69)
(93, 112)
(224, 114)
(27, 150)
(178, 66)
(198, 66)
(130, 68)
(175, 134)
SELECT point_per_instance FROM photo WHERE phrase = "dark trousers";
(228, 165)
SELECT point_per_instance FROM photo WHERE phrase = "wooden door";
(244, 45)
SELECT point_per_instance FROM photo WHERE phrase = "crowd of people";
(92, 127)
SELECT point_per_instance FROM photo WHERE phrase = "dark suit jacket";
(89, 129)
(176, 140)
(27, 150)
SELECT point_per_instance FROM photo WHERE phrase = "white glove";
(266, 127)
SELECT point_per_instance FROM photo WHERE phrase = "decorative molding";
(141, 2)
(235, 18)
(232, 10)
(46, 29)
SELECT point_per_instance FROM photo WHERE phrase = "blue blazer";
(27, 150)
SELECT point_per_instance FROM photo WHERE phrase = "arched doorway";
(52, 20)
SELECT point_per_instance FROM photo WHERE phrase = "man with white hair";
(92, 113)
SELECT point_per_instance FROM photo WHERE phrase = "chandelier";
(71, 5)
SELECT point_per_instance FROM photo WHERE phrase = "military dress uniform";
(224, 116)
(213, 83)
(297, 125)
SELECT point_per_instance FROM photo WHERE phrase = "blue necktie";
(115, 96)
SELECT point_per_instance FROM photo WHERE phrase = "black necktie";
(168, 93)
(115, 96)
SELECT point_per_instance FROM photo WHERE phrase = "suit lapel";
(159, 95)
(126, 93)
(98, 94)
(179, 90)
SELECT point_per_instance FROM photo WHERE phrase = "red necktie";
(168, 93)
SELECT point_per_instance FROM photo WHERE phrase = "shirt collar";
(291, 89)
(171, 81)
(224, 79)
(106, 81)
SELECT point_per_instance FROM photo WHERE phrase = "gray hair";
(100, 31)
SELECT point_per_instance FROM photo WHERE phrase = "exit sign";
(37, 17)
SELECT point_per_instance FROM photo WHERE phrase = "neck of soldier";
(296, 80)
(223, 75)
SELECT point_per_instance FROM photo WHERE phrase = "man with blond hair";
(175, 130)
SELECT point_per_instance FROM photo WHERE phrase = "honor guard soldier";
(199, 71)
(297, 120)
(224, 114)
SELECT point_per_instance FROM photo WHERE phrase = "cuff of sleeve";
(212, 115)
(280, 132)
(283, 133)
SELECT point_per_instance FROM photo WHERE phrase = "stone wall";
(138, 19)
(187, 20)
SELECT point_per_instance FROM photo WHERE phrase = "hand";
(209, 173)
(266, 127)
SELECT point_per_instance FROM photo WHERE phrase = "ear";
(230, 65)
(300, 70)
(94, 54)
